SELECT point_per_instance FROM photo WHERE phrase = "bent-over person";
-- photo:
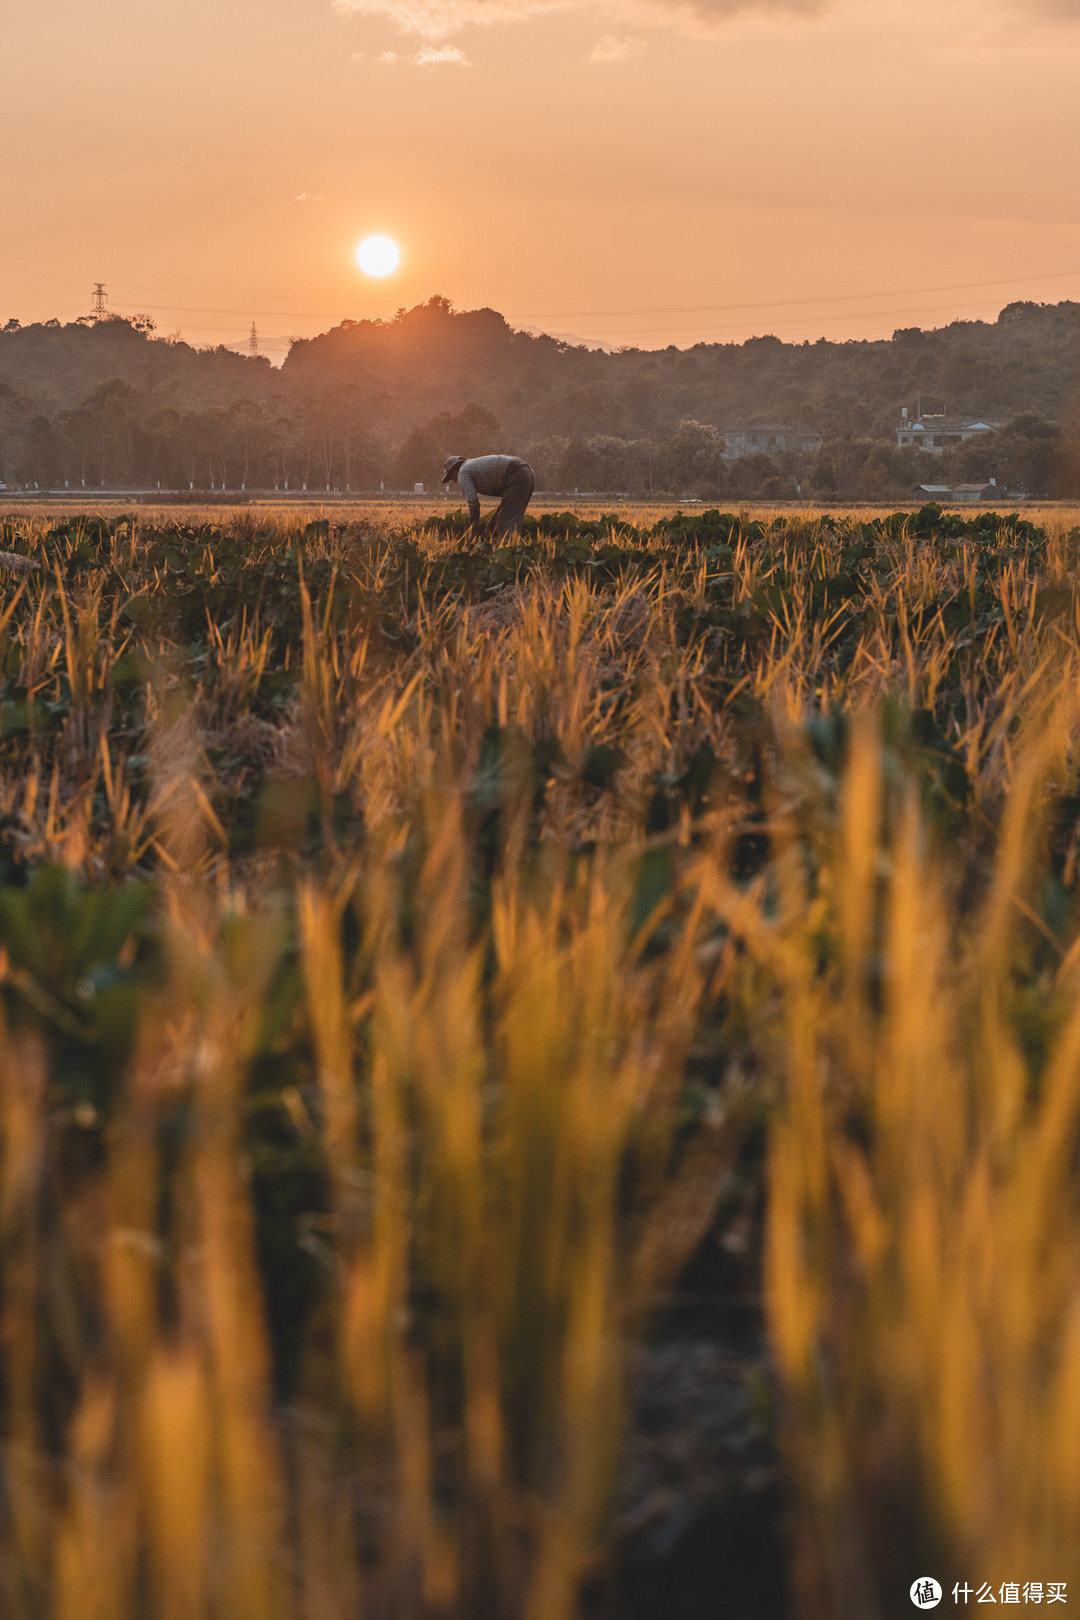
(506, 476)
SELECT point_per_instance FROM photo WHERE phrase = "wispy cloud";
(709, 16)
(308, 196)
(433, 55)
(426, 56)
(612, 48)
(435, 19)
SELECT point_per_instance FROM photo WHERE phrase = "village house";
(976, 492)
(768, 441)
(952, 494)
(938, 433)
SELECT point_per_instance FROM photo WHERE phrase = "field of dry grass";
(416, 955)
(399, 512)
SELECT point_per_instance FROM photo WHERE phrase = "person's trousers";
(516, 495)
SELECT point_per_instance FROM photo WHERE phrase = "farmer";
(506, 476)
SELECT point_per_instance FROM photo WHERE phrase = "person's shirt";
(483, 475)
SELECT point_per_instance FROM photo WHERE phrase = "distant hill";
(373, 402)
(59, 366)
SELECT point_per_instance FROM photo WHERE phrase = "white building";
(768, 441)
(956, 494)
(938, 433)
(976, 492)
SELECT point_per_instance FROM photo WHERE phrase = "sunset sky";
(634, 172)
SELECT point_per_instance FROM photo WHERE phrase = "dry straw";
(494, 1051)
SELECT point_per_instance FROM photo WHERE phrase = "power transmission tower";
(98, 307)
(253, 340)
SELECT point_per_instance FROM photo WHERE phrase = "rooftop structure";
(768, 441)
(937, 433)
(957, 493)
(976, 492)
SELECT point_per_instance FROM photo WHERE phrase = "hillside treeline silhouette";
(378, 404)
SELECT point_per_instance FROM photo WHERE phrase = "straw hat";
(450, 467)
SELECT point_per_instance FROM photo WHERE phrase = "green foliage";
(334, 862)
(374, 403)
(77, 961)
(182, 596)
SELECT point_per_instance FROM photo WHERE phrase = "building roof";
(946, 424)
(774, 427)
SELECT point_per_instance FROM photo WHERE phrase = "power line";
(681, 309)
(270, 314)
(790, 303)
(807, 320)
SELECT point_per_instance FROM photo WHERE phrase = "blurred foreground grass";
(403, 942)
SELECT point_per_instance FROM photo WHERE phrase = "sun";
(378, 256)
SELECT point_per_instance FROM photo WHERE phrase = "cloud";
(709, 16)
(432, 55)
(613, 49)
(307, 196)
(435, 19)
(426, 56)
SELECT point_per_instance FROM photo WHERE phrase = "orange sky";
(638, 171)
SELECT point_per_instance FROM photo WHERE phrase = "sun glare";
(378, 256)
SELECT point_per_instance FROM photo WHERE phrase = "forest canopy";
(374, 403)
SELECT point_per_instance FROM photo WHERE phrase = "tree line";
(379, 404)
